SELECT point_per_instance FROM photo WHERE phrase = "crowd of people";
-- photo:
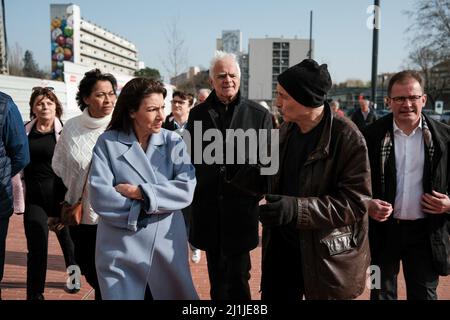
(347, 195)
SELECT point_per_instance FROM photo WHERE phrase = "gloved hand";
(279, 210)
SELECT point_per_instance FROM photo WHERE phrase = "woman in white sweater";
(96, 97)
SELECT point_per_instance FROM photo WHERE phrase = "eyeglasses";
(401, 99)
(178, 101)
(43, 89)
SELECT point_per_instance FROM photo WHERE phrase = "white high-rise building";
(268, 58)
(82, 42)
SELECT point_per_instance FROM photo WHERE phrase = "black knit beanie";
(307, 82)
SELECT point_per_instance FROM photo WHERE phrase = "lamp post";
(375, 52)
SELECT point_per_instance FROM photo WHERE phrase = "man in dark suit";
(224, 220)
(410, 180)
(364, 115)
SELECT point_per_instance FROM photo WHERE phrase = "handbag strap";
(85, 180)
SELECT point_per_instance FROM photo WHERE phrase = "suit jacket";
(436, 176)
(142, 242)
(225, 207)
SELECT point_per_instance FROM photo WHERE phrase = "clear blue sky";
(341, 36)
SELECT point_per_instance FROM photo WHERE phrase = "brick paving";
(14, 280)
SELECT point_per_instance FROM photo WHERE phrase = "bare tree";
(430, 45)
(431, 26)
(176, 58)
(15, 60)
(433, 72)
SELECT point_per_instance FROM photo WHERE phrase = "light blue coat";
(131, 254)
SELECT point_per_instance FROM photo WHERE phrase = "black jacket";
(358, 118)
(436, 176)
(225, 215)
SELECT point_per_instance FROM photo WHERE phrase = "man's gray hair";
(220, 56)
(204, 90)
(334, 103)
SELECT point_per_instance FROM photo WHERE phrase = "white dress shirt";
(409, 163)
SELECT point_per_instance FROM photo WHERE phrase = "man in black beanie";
(315, 241)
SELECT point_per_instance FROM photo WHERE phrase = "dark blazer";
(224, 212)
(436, 176)
(358, 118)
(169, 123)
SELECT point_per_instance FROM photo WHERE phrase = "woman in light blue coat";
(141, 178)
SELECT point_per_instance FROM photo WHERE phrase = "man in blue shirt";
(14, 156)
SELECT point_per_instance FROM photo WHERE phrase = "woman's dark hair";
(45, 92)
(130, 99)
(87, 84)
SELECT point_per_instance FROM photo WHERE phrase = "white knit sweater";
(72, 156)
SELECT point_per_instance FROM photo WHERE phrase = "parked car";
(445, 117)
(382, 112)
(430, 113)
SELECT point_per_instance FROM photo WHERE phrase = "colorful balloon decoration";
(61, 44)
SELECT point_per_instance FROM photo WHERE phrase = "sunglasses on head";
(43, 89)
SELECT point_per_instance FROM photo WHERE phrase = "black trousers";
(229, 276)
(36, 232)
(282, 276)
(84, 238)
(4, 222)
(186, 216)
(408, 242)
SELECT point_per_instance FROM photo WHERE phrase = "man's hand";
(435, 203)
(279, 210)
(379, 210)
(129, 191)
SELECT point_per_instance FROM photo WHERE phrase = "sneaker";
(73, 290)
(196, 255)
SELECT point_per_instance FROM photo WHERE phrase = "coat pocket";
(339, 243)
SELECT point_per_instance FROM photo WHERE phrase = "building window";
(285, 54)
(285, 45)
(276, 54)
(276, 62)
(276, 45)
